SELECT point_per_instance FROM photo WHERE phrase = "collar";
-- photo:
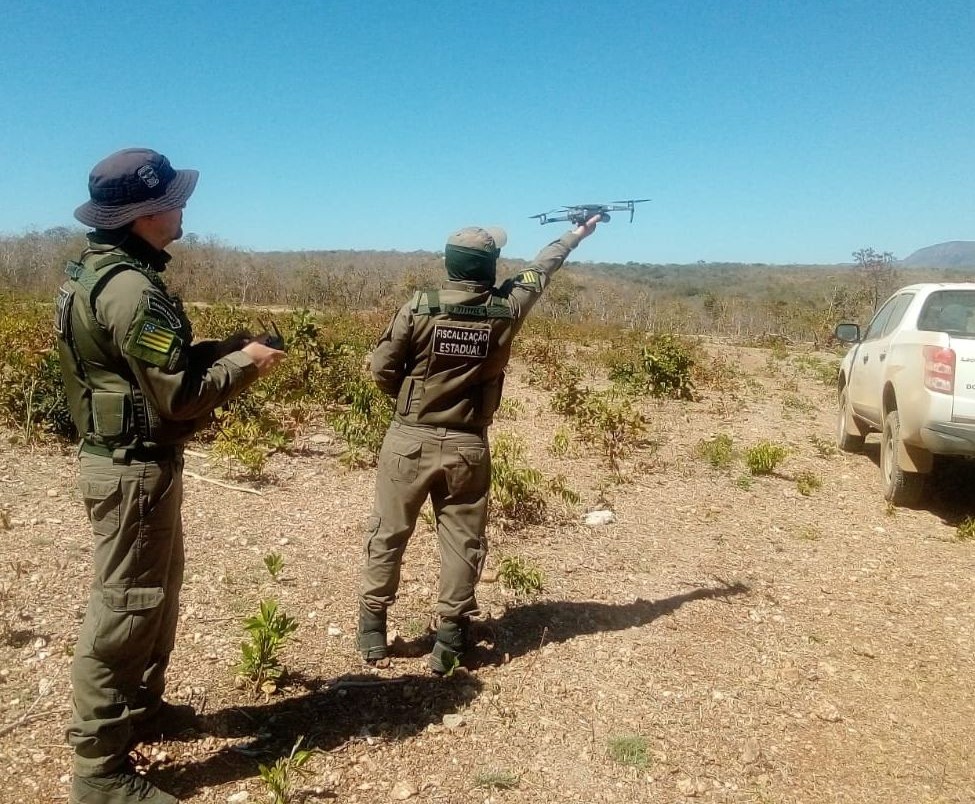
(133, 245)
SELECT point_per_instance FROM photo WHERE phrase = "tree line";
(732, 300)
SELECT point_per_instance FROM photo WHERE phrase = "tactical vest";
(107, 405)
(461, 346)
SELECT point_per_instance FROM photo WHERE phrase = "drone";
(580, 213)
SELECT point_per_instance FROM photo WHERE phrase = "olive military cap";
(133, 183)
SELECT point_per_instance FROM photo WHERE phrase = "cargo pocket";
(402, 460)
(128, 623)
(471, 471)
(103, 500)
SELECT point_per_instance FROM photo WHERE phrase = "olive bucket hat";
(471, 254)
(490, 239)
(133, 183)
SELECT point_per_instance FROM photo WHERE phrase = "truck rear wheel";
(900, 487)
(844, 416)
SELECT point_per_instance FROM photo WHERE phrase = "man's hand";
(264, 357)
(583, 230)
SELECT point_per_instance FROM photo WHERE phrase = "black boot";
(372, 635)
(449, 648)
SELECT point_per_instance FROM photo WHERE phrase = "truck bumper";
(949, 439)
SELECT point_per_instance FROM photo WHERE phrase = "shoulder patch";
(153, 342)
(163, 308)
(529, 279)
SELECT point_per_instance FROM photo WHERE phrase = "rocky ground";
(725, 639)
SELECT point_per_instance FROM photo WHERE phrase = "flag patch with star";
(156, 338)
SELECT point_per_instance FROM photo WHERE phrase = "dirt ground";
(764, 646)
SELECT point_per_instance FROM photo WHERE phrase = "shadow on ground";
(332, 712)
(948, 489)
(328, 715)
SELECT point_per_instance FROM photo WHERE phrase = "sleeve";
(388, 362)
(526, 288)
(181, 383)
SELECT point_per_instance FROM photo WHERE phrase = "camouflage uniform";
(138, 389)
(443, 358)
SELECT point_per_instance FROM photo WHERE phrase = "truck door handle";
(866, 358)
(883, 356)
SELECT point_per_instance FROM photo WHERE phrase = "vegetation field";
(690, 594)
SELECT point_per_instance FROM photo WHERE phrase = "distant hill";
(954, 254)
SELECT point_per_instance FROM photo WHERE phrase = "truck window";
(901, 304)
(951, 311)
(879, 321)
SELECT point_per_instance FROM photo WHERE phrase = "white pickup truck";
(911, 377)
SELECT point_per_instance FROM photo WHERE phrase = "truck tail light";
(939, 369)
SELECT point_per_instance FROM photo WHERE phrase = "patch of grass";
(798, 404)
(743, 482)
(496, 779)
(718, 451)
(629, 749)
(561, 442)
(764, 457)
(519, 575)
(825, 447)
(965, 532)
(510, 409)
(807, 483)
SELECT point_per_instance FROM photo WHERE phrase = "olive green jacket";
(132, 373)
(444, 353)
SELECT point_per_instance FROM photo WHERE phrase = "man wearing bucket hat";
(443, 358)
(138, 388)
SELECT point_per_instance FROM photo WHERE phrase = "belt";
(140, 453)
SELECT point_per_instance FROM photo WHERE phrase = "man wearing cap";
(442, 358)
(138, 388)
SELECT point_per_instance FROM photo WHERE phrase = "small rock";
(52, 492)
(599, 517)
(319, 438)
(239, 797)
(402, 790)
(453, 721)
(751, 751)
(829, 713)
(334, 631)
(691, 787)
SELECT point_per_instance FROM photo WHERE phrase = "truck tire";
(900, 487)
(844, 415)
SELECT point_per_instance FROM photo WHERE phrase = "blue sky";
(771, 132)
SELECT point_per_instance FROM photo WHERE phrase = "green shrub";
(519, 576)
(279, 777)
(32, 397)
(718, 451)
(662, 368)
(267, 632)
(807, 483)
(763, 458)
(517, 490)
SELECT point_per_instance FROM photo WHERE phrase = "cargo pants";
(453, 467)
(119, 666)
